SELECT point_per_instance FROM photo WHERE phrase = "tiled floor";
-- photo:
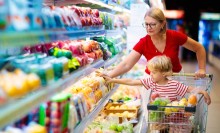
(213, 123)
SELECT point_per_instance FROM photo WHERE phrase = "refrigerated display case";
(209, 31)
(12, 43)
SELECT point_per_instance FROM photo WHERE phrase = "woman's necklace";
(159, 44)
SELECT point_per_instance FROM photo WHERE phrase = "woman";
(161, 41)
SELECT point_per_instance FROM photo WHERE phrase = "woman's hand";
(201, 73)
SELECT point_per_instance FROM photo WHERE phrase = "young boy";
(160, 68)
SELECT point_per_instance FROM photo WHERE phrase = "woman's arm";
(200, 54)
(200, 91)
(126, 64)
(123, 81)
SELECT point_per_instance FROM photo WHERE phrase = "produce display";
(119, 115)
(35, 67)
(22, 84)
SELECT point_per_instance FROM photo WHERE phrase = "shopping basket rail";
(192, 75)
(186, 108)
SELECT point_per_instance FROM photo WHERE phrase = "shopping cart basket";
(181, 119)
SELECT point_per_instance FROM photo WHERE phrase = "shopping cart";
(181, 119)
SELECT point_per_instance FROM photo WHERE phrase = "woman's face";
(152, 26)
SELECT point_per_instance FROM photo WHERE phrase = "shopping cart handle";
(191, 75)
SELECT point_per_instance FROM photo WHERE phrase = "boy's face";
(157, 76)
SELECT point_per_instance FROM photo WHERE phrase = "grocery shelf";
(113, 60)
(110, 33)
(111, 6)
(99, 106)
(15, 109)
(12, 39)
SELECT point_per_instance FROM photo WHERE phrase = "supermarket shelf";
(111, 7)
(113, 60)
(15, 109)
(99, 3)
(89, 118)
(113, 32)
(12, 39)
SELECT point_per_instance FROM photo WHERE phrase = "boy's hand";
(207, 98)
(107, 79)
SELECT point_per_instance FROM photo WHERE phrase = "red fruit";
(98, 53)
(99, 21)
(87, 47)
(66, 47)
(83, 21)
(91, 55)
(89, 12)
(60, 44)
(48, 46)
(56, 130)
(95, 12)
(94, 44)
(89, 20)
(77, 12)
(47, 120)
(76, 48)
(55, 122)
(83, 59)
(55, 114)
(27, 49)
(38, 48)
(84, 12)
(154, 95)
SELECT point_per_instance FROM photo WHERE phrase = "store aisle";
(214, 108)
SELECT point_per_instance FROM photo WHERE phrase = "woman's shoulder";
(169, 31)
(176, 36)
(145, 37)
(174, 33)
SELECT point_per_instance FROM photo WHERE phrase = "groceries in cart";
(178, 116)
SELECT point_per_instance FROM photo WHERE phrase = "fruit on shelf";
(120, 128)
(113, 126)
(47, 47)
(95, 13)
(76, 48)
(82, 59)
(92, 55)
(60, 44)
(87, 47)
(38, 48)
(83, 21)
(33, 81)
(27, 49)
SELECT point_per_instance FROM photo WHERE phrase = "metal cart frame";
(181, 119)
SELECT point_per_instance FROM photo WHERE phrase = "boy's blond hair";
(161, 63)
